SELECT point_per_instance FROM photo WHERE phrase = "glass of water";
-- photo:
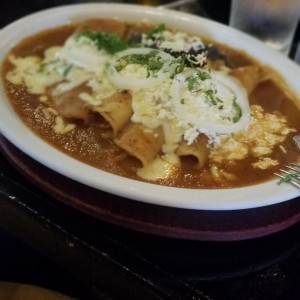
(272, 21)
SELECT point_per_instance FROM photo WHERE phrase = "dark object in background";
(14, 9)
(216, 9)
(21, 264)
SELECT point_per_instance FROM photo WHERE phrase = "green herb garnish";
(288, 177)
(182, 62)
(212, 99)
(193, 80)
(180, 65)
(107, 41)
(151, 61)
(211, 96)
(44, 65)
(203, 75)
(238, 110)
(67, 70)
(160, 28)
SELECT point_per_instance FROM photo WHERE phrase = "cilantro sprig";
(183, 60)
(158, 29)
(193, 81)
(237, 109)
(44, 65)
(151, 61)
(111, 43)
(213, 99)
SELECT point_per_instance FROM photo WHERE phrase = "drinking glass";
(272, 21)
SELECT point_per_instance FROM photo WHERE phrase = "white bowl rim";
(260, 195)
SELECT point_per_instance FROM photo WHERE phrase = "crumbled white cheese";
(190, 135)
(132, 74)
(22, 66)
(134, 71)
(264, 133)
(177, 41)
(200, 59)
(101, 87)
(265, 162)
(31, 71)
(49, 112)
(219, 173)
(152, 106)
(43, 98)
(160, 168)
(84, 53)
(87, 98)
(61, 128)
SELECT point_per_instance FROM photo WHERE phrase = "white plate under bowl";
(224, 199)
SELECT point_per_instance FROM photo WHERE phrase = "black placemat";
(120, 263)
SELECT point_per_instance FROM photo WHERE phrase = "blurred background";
(214, 9)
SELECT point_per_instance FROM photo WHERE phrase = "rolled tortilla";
(198, 149)
(141, 142)
(249, 76)
(116, 110)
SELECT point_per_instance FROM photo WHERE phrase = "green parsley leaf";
(151, 61)
(156, 30)
(204, 75)
(43, 66)
(107, 41)
(67, 70)
(180, 64)
(193, 80)
(238, 110)
(211, 96)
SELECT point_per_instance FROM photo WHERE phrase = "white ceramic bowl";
(229, 199)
